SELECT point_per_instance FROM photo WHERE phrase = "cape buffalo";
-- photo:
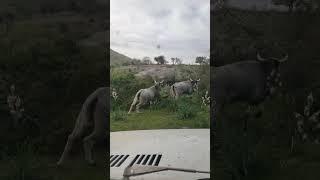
(145, 96)
(93, 114)
(246, 81)
(184, 87)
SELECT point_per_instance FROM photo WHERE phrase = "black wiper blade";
(137, 170)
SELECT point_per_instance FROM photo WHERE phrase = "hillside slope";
(117, 58)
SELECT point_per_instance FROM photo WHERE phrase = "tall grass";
(22, 163)
(119, 115)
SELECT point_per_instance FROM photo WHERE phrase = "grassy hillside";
(117, 58)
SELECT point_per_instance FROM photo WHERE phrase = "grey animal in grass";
(249, 81)
(93, 114)
(246, 81)
(146, 96)
(183, 87)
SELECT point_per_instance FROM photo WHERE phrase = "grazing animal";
(183, 87)
(146, 96)
(93, 114)
(247, 81)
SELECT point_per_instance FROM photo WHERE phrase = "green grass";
(159, 119)
(269, 143)
(44, 168)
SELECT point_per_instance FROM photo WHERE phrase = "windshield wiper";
(137, 170)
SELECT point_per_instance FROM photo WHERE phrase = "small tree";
(176, 61)
(298, 4)
(136, 62)
(202, 60)
(207, 60)
(160, 60)
(288, 3)
(146, 60)
(173, 60)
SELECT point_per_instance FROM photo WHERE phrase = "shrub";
(185, 111)
(185, 107)
(169, 103)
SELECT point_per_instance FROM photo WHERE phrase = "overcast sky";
(180, 27)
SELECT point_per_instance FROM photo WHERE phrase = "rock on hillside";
(158, 73)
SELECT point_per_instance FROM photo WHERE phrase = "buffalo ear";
(155, 81)
(198, 80)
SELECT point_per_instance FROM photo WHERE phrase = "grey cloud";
(180, 27)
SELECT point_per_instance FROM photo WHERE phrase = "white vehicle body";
(176, 148)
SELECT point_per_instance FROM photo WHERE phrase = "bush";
(185, 108)
(169, 103)
(185, 111)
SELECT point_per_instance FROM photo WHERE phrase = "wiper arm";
(137, 170)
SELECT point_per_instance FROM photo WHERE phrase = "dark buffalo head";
(159, 84)
(194, 84)
(272, 69)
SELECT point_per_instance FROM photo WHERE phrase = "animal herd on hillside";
(146, 96)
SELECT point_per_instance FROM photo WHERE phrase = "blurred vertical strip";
(212, 5)
(107, 44)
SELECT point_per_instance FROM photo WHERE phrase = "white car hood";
(179, 148)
